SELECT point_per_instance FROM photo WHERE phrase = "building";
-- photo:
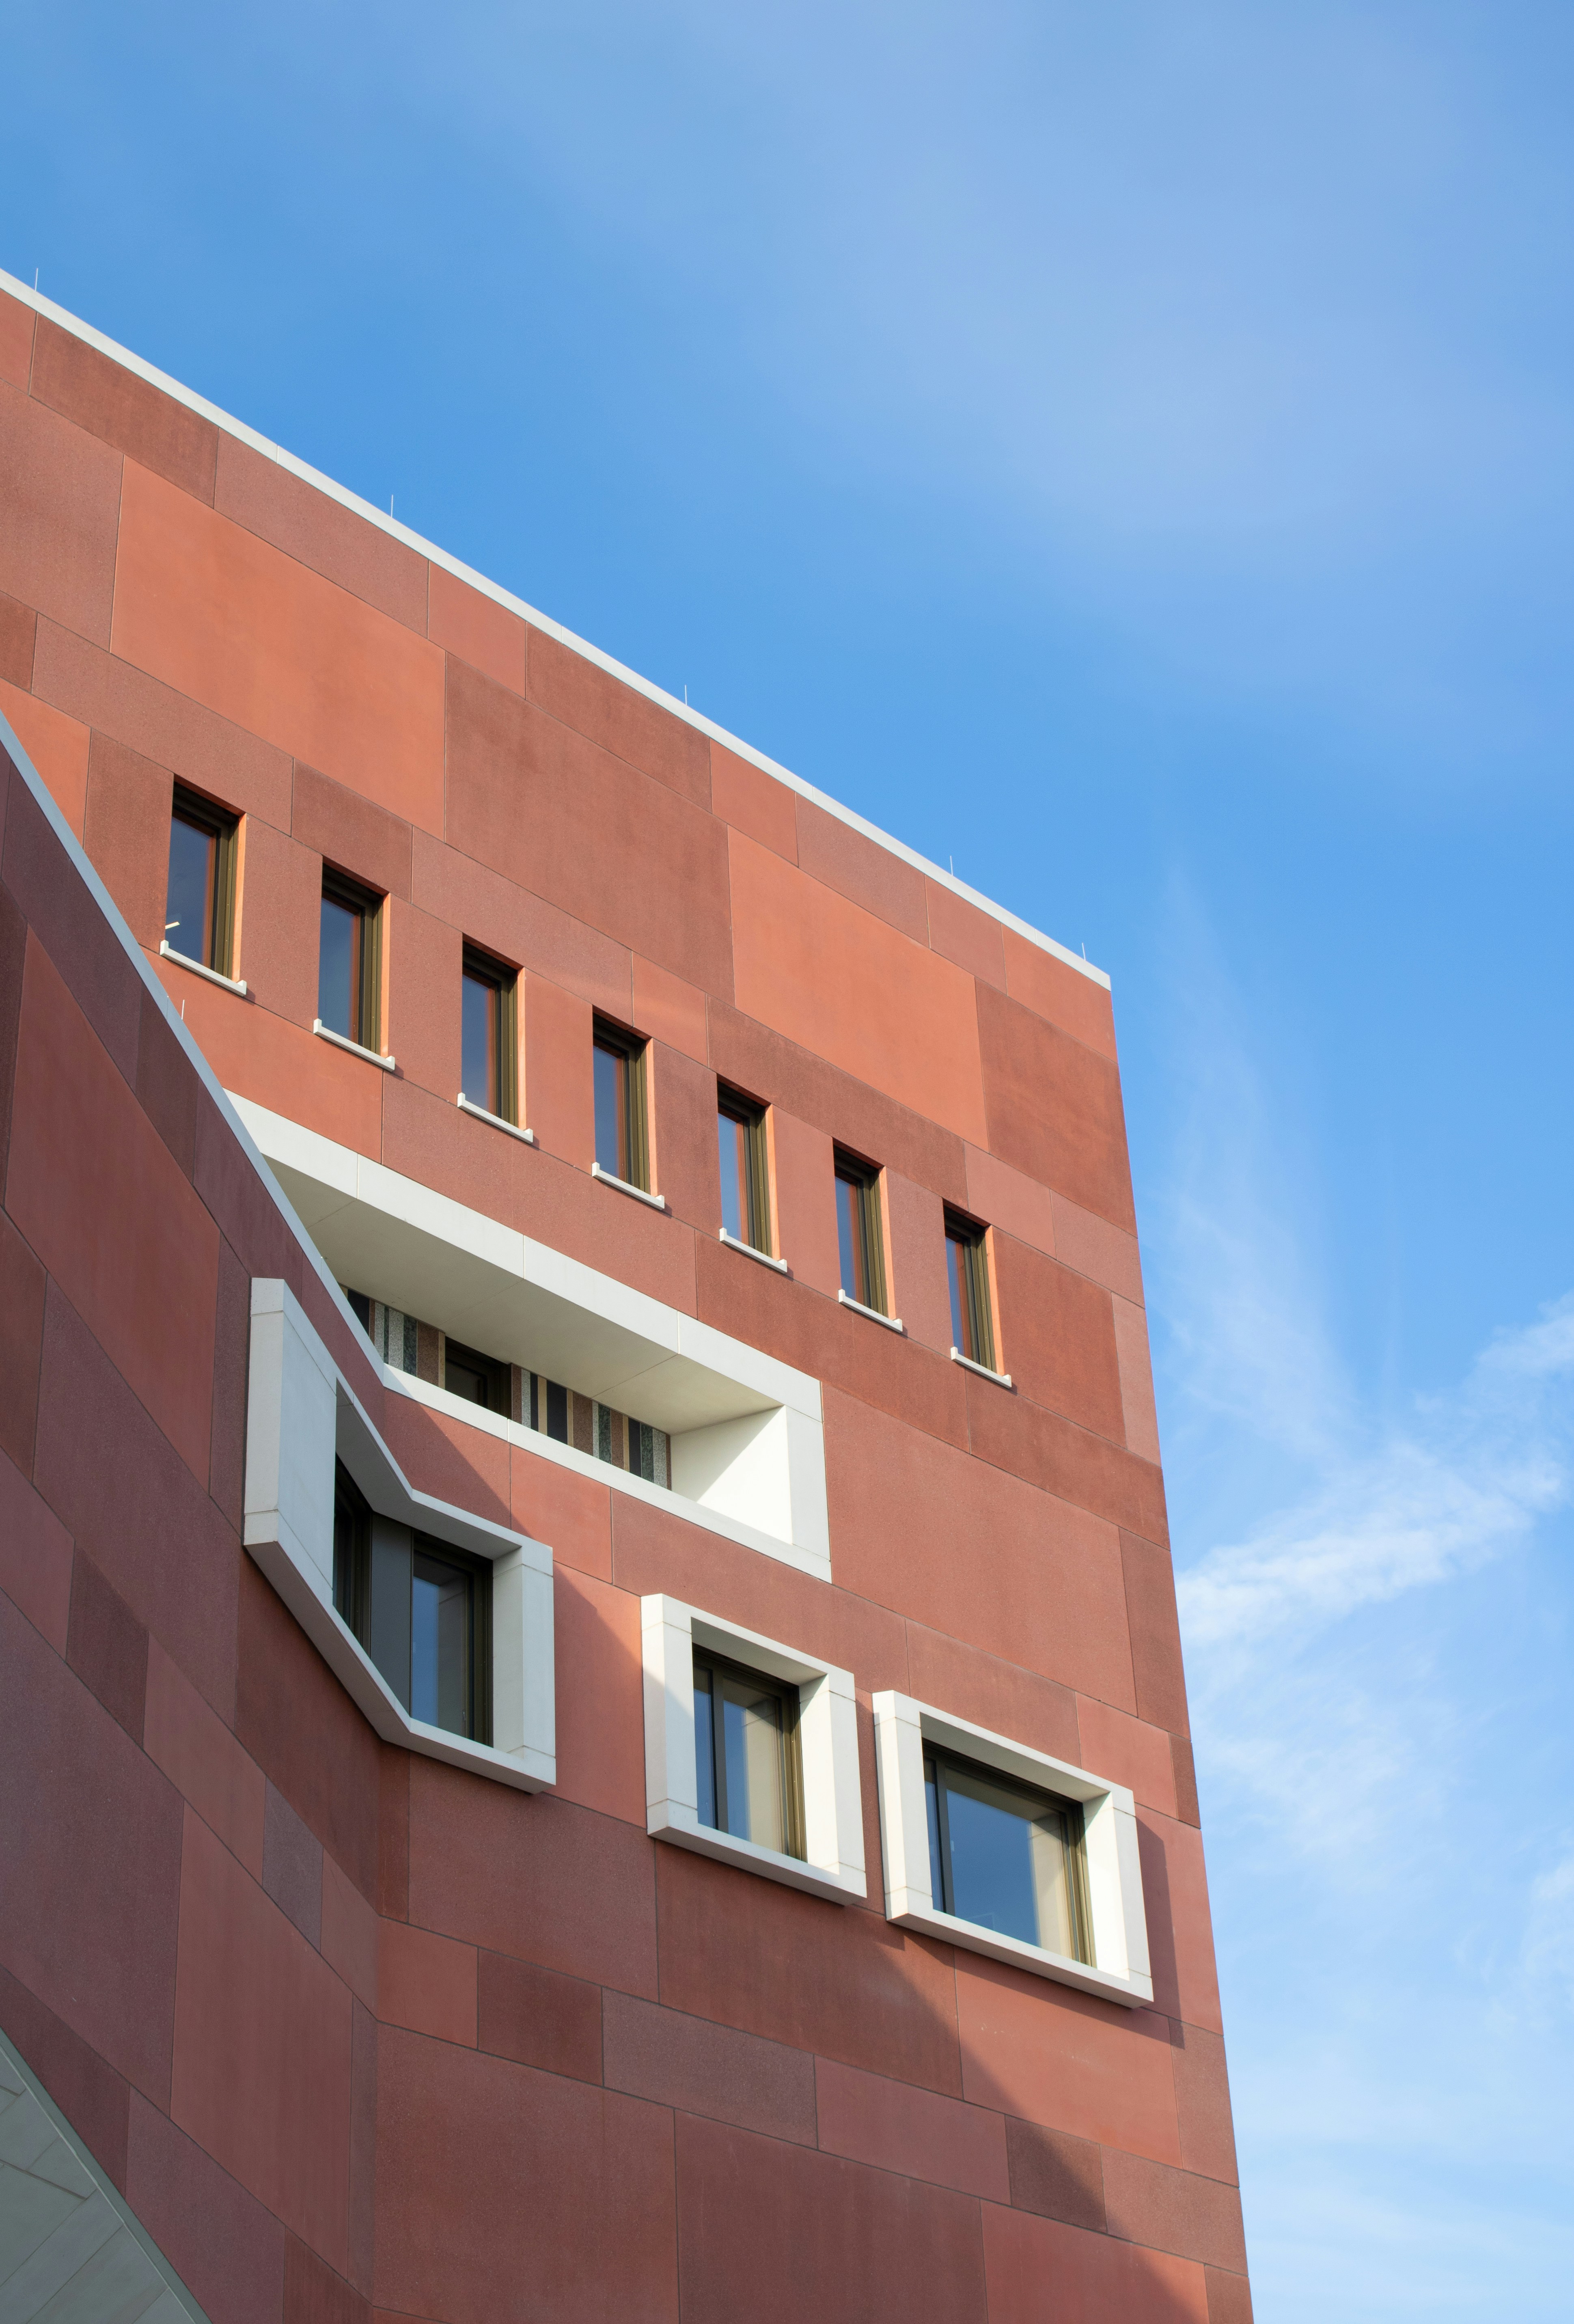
(593, 1719)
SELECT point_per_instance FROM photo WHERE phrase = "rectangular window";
(478, 1379)
(489, 1052)
(746, 1755)
(622, 1144)
(858, 1233)
(745, 1186)
(1006, 1857)
(421, 1610)
(972, 1330)
(349, 969)
(199, 907)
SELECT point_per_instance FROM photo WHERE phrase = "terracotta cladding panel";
(1055, 1109)
(1058, 1338)
(216, 613)
(352, 832)
(72, 929)
(21, 1311)
(279, 1065)
(1060, 1458)
(16, 330)
(608, 844)
(838, 980)
(1173, 2211)
(93, 2098)
(862, 869)
(1078, 1004)
(520, 928)
(754, 802)
(682, 2061)
(1174, 1885)
(114, 403)
(58, 747)
(915, 2132)
(572, 1513)
(476, 628)
(581, 694)
(425, 989)
(1096, 2279)
(300, 1728)
(226, 2245)
(1062, 2059)
(670, 1010)
(35, 1551)
(683, 1121)
(538, 2017)
(1010, 1203)
(269, 500)
(127, 833)
(972, 938)
(18, 634)
(601, 1736)
(992, 1692)
(60, 489)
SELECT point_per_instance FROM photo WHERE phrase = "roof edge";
(78, 329)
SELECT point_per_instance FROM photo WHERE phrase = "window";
(745, 1183)
(1006, 1857)
(621, 1144)
(489, 1041)
(746, 1755)
(421, 1609)
(199, 908)
(750, 1752)
(1005, 1851)
(967, 1266)
(858, 1233)
(478, 1379)
(349, 972)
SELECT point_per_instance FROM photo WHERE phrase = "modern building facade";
(592, 1718)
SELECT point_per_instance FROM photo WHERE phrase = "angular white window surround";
(748, 1436)
(1001, 1379)
(357, 1048)
(300, 1415)
(1119, 1969)
(891, 1322)
(828, 1744)
(627, 1186)
(748, 1252)
(495, 1121)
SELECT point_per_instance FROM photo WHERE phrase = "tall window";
(478, 1379)
(621, 1144)
(489, 1067)
(746, 1755)
(349, 969)
(1006, 1857)
(858, 1233)
(745, 1187)
(199, 908)
(421, 1610)
(972, 1330)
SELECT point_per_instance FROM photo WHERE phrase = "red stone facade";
(356, 2031)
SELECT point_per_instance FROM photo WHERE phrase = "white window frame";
(301, 1415)
(1120, 1969)
(833, 1865)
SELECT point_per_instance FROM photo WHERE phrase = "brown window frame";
(483, 967)
(754, 1210)
(222, 826)
(863, 1178)
(375, 1562)
(793, 1822)
(968, 1238)
(1081, 1910)
(353, 896)
(634, 1138)
(493, 1369)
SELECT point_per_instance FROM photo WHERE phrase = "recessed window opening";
(857, 1232)
(747, 1756)
(967, 1266)
(489, 1067)
(1007, 1857)
(349, 974)
(199, 907)
(421, 1610)
(745, 1184)
(622, 1141)
(478, 1379)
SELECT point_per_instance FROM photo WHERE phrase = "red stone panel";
(1202, 2097)
(559, 1097)
(279, 1065)
(683, 1138)
(1185, 1779)
(871, 2119)
(578, 691)
(16, 330)
(1053, 1107)
(575, 2184)
(226, 2247)
(60, 491)
(1229, 2299)
(1173, 2210)
(18, 632)
(972, 938)
(350, 1933)
(992, 1692)
(571, 1513)
(804, 1186)
(1155, 1633)
(841, 857)
(540, 2018)
(448, 1458)
(1056, 2175)
(107, 1647)
(226, 618)
(520, 928)
(90, 1838)
(261, 2057)
(1180, 1928)
(426, 1983)
(752, 801)
(319, 530)
(1010, 1203)
(425, 967)
(314, 2293)
(35, 1554)
(166, 1086)
(1125, 1750)
(127, 833)
(58, 747)
(685, 2061)
(476, 628)
(776, 2233)
(1057, 1335)
(84, 1163)
(117, 406)
(1080, 1004)
(352, 832)
(93, 2098)
(301, 1727)
(85, 949)
(1040, 2270)
(919, 1288)
(1062, 2058)
(601, 1734)
(1136, 1397)
(670, 1010)
(21, 1311)
(1061, 1458)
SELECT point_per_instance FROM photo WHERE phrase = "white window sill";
(1132, 1992)
(230, 984)
(623, 1187)
(341, 1041)
(467, 1105)
(750, 1251)
(1001, 1379)
(891, 1322)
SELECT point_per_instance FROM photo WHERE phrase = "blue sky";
(1128, 450)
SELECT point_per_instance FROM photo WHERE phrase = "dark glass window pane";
(704, 1746)
(751, 1745)
(557, 1411)
(480, 1045)
(612, 1099)
(439, 1646)
(188, 905)
(961, 1333)
(850, 1238)
(733, 1143)
(339, 970)
(466, 1381)
(936, 1876)
(1009, 1864)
